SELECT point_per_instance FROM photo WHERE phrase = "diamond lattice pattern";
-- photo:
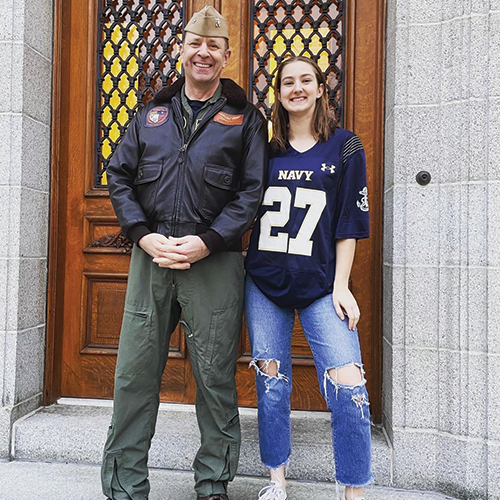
(283, 28)
(139, 45)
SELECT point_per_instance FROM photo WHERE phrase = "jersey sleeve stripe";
(352, 151)
(351, 146)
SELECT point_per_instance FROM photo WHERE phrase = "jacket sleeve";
(237, 216)
(121, 172)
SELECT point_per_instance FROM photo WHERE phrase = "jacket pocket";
(219, 188)
(146, 182)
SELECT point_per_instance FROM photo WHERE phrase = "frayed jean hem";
(275, 467)
(362, 485)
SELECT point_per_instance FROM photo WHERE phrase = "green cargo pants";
(210, 296)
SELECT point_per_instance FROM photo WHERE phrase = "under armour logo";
(325, 167)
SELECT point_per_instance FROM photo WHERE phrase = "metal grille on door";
(138, 53)
(284, 28)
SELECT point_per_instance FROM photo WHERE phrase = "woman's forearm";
(345, 256)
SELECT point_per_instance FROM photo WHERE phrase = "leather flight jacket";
(210, 184)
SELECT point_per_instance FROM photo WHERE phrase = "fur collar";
(233, 92)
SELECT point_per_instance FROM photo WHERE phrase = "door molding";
(52, 381)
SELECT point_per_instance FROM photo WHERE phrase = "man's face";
(203, 58)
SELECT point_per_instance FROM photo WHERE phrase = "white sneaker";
(273, 491)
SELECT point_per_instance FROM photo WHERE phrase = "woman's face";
(299, 88)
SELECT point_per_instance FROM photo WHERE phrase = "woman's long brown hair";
(323, 123)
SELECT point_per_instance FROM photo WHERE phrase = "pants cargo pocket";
(220, 360)
(135, 342)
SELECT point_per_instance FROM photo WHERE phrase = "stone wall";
(25, 112)
(441, 245)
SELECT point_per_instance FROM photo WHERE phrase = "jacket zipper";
(181, 160)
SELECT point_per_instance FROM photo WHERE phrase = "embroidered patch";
(227, 119)
(157, 116)
(363, 203)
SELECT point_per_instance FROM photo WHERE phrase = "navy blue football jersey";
(311, 200)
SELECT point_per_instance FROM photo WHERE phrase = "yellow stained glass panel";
(297, 47)
(106, 116)
(123, 116)
(138, 49)
(284, 28)
(131, 71)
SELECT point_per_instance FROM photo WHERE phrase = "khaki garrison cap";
(208, 22)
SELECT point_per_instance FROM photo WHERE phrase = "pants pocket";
(135, 341)
(223, 339)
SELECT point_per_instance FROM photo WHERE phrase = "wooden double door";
(112, 55)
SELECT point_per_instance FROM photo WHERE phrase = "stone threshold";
(75, 430)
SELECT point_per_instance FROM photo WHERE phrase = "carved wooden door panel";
(113, 55)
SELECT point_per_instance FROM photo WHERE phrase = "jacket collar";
(230, 90)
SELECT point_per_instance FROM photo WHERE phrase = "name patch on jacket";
(157, 116)
(227, 119)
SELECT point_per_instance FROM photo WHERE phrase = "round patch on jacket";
(157, 116)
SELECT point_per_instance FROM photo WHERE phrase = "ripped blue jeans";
(333, 346)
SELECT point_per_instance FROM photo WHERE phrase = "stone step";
(76, 433)
(56, 481)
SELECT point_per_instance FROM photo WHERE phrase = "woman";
(300, 257)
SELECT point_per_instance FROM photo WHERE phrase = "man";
(185, 182)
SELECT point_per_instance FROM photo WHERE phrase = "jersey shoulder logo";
(227, 119)
(363, 203)
(325, 167)
(157, 116)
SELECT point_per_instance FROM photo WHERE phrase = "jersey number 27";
(302, 243)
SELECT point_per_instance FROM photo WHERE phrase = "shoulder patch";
(157, 116)
(227, 119)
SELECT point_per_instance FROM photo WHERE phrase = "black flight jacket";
(211, 185)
